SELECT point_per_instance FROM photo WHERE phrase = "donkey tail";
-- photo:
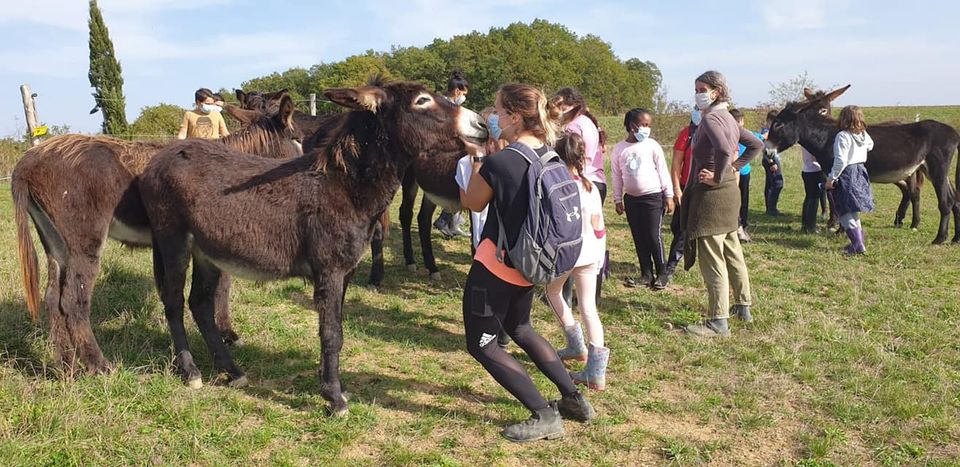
(26, 250)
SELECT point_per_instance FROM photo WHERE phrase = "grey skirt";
(853, 192)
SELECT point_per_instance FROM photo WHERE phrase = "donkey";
(79, 190)
(310, 217)
(434, 172)
(899, 150)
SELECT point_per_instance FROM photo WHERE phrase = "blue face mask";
(695, 117)
(493, 125)
(642, 133)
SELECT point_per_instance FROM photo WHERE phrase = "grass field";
(850, 362)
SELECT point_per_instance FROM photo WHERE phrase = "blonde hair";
(851, 119)
(537, 115)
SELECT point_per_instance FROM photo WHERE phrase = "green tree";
(157, 120)
(105, 75)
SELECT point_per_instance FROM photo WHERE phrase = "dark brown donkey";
(899, 150)
(79, 190)
(311, 217)
(434, 172)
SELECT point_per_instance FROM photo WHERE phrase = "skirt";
(853, 192)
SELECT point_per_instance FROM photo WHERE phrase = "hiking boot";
(542, 424)
(742, 312)
(594, 375)
(576, 407)
(709, 328)
(576, 349)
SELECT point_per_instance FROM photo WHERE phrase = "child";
(744, 185)
(849, 178)
(641, 187)
(204, 121)
(571, 150)
(679, 172)
(772, 167)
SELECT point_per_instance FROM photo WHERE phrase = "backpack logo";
(574, 215)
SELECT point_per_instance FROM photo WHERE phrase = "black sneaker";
(542, 424)
(576, 407)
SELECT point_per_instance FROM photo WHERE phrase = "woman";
(449, 223)
(711, 205)
(496, 296)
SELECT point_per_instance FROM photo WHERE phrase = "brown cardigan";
(713, 210)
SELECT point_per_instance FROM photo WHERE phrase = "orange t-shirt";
(487, 256)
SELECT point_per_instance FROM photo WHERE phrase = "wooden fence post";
(313, 104)
(30, 112)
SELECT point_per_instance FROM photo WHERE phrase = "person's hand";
(774, 168)
(706, 177)
(677, 195)
(829, 185)
(619, 208)
(670, 206)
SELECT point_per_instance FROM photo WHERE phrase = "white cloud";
(794, 15)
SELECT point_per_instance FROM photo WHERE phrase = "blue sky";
(891, 52)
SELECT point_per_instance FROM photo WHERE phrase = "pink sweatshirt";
(640, 169)
(583, 126)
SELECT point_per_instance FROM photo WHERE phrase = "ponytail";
(571, 150)
(537, 115)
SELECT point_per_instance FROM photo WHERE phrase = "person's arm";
(841, 155)
(479, 193)
(223, 127)
(617, 179)
(183, 127)
(666, 183)
(754, 146)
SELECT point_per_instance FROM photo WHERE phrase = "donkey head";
(786, 128)
(409, 120)
(267, 103)
(261, 127)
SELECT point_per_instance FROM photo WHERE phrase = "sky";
(893, 53)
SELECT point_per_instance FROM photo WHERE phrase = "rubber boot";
(594, 375)
(542, 424)
(576, 349)
(857, 246)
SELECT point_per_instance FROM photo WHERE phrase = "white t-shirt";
(464, 172)
(593, 248)
(810, 163)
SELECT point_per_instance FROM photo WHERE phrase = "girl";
(711, 205)
(642, 187)
(849, 176)
(496, 296)
(571, 151)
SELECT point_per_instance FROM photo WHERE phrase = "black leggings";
(744, 200)
(645, 216)
(813, 196)
(491, 305)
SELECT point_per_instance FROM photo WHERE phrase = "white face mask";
(703, 100)
(210, 108)
(642, 133)
(459, 100)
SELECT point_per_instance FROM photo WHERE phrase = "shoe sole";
(551, 436)
(592, 386)
(574, 359)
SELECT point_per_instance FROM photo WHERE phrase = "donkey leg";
(915, 201)
(938, 175)
(328, 297)
(407, 200)
(376, 251)
(58, 323)
(424, 225)
(222, 311)
(75, 297)
(170, 261)
(203, 298)
(904, 202)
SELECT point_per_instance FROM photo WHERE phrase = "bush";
(157, 122)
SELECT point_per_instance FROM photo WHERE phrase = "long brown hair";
(571, 149)
(536, 114)
(851, 119)
(573, 97)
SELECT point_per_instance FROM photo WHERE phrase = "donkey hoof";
(240, 382)
(411, 267)
(195, 383)
(435, 276)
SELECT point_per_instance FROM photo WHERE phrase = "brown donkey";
(79, 190)
(311, 217)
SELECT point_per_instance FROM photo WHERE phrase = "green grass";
(850, 362)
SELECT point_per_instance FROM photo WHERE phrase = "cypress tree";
(105, 75)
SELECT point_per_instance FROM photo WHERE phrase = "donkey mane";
(134, 155)
(256, 139)
(340, 149)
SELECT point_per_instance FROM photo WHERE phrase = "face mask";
(460, 99)
(703, 100)
(695, 117)
(642, 133)
(493, 125)
(207, 108)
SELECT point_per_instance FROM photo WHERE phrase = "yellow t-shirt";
(206, 126)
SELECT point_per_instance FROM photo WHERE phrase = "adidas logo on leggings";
(486, 338)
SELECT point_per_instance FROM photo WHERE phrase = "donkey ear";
(244, 116)
(836, 93)
(241, 96)
(809, 93)
(287, 106)
(366, 98)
